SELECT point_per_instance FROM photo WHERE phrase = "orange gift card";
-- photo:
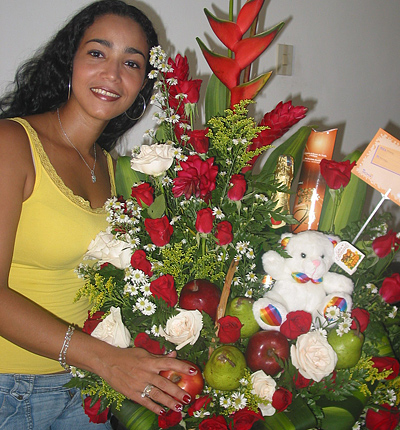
(379, 165)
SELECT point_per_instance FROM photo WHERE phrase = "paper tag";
(379, 165)
(348, 257)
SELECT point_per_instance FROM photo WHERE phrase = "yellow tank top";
(54, 231)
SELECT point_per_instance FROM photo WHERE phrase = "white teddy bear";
(303, 281)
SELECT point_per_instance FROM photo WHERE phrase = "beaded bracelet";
(64, 348)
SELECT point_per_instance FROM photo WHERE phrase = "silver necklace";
(77, 150)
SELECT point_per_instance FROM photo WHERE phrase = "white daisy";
(239, 401)
(145, 289)
(332, 313)
(217, 212)
(225, 402)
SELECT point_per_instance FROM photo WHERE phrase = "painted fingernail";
(178, 408)
(192, 370)
(162, 412)
(186, 399)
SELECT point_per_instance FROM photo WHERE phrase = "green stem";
(336, 197)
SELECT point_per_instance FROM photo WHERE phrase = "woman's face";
(109, 66)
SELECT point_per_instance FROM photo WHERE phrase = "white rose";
(313, 356)
(112, 330)
(107, 249)
(153, 159)
(184, 328)
(264, 387)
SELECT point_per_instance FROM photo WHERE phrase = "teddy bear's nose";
(316, 263)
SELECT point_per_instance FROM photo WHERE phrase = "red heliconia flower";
(278, 121)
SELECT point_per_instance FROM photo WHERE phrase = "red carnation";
(337, 174)
(143, 193)
(229, 329)
(93, 411)
(143, 340)
(384, 245)
(197, 178)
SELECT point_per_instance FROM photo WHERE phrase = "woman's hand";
(129, 371)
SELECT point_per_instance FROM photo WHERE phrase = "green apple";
(225, 368)
(242, 308)
(347, 347)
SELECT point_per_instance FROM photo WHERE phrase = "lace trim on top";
(45, 161)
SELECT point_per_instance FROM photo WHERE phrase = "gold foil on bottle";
(283, 176)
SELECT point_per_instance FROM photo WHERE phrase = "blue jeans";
(41, 402)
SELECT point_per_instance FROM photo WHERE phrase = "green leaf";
(293, 146)
(157, 208)
(217, 98)
(135, 417)
(125, 177)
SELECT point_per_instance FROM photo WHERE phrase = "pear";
(242, 308)
(347, 347)
(225, 368)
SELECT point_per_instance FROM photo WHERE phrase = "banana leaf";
(125, 177)
(217, 98)
(135, 417)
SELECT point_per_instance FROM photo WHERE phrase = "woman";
(84, 90)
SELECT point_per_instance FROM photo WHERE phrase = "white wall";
(346, 57)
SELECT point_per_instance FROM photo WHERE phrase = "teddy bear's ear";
(285, 239)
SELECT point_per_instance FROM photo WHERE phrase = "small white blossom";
(217, 212)
(145, 289)
(393, 313)
(252, 277)
(332, 313)
(155, 331)
(225, 402)
(249, 293)
(239, 401)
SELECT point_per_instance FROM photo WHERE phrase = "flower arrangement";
(184, 243)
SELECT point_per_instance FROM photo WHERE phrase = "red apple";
(261, 349)
(192, 384)
(202, 295)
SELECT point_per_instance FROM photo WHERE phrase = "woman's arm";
(31, 327)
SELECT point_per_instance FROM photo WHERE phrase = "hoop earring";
(69, 87)
(144, 109)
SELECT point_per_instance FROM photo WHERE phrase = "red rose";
(143, 340)
(224, 234)
(197, 177)
(238, 188)
(390, 289)
(204, 220)
(281, 399)
(143, 193)
(199, 140)
(164, 288)
(169, 419)
(229, 329)
(245, 418)
(139, 261)
(362, 316)
(336, 174)
(382, 419)
(386, 363)
(180, 68)
(91, 323)
(384, 245)
(301, 381)
(93, 411)
(297, 323)
(191, 91)
(200, 403)
(214, 423)
(159, 229)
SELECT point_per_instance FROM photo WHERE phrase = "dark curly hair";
(41, 84)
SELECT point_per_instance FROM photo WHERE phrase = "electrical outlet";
(285, 60)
